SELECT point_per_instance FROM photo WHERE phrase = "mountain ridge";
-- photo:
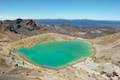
(79, 22)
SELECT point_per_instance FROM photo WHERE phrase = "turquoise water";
(56, 54)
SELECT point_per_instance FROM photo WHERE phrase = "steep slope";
(108, 48)
(108, 39)
(28, 42)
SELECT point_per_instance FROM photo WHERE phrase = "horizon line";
(2, 19)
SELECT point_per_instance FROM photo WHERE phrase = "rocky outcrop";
(19, 26)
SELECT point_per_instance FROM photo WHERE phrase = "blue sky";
(60, 9)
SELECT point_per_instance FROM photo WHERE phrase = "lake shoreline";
(69, 64)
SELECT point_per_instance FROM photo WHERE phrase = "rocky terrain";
(105, 65)
(30, 28)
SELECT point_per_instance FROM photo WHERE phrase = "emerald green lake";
(57, 54)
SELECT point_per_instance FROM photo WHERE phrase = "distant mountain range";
(81, 23)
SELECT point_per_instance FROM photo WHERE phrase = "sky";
(60, 9)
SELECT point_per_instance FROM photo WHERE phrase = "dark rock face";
(31, 25)
(18, 21)
(1, 22)
(19, 26)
